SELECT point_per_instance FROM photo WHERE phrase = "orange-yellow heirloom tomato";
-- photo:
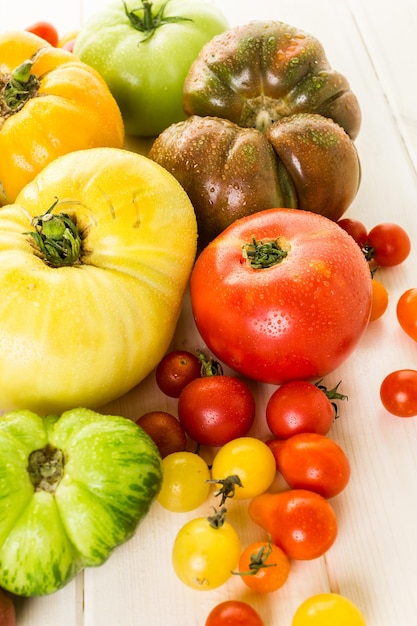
(90, 299)
(50, 104)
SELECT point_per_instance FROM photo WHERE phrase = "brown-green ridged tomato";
(260, 72)
(95, 257)
(304, 161)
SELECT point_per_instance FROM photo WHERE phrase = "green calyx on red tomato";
(73, 488)
(299, 312)
(95, 257)
(144, 54)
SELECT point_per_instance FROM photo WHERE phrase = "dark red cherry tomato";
(176, 370)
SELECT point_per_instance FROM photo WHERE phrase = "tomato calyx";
(17, 88)
(264, 254)
(332, 394)
(150, 22)
(57, 237)
(46, 468)
(228, 486)
(258, 560)
(209, 366)
(218, 518)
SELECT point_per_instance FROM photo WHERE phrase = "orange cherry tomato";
(315, 462)
(407, 312)
(263, 566)
(379, 300)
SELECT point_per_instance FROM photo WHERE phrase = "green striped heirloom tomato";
(94, 260)
(144, 50)
(292, 291)
(72, 488)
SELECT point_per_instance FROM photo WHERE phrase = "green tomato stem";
(262, 255)
(57, 237)
(149, 22)
(19, 88)
(46, 468)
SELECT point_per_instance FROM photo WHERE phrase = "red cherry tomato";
(299, 406)
(165, 430)
(315, 462)
(46, 30)
(388, 244)
(233, 613)
(407, 312)
(301, 522)
(398, 393)
(215, 409)
(176, 370)
(356, 229)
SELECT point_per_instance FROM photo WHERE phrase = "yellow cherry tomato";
(185, 484)
(206, 552)
(251, 460)
(328, 609)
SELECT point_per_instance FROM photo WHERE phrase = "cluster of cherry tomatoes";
(388, 245)
(218, 410)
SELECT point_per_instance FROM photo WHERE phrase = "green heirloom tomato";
(95, 257)
(144, 53)
(72, 488)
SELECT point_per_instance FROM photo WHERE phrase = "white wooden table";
(373, 561)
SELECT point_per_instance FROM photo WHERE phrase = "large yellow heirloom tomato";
(50, 104)
(91, 296)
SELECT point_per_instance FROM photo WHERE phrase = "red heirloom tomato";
(215, 409)
(301, 522)
(315, 462)
(282, 294)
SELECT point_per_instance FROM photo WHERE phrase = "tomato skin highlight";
(302, 523)
(298, 319)
(328, 609)
(407, 312)
(398, 393)
(299, 406)
(215, 409)
(233, 613)
(315, 462)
